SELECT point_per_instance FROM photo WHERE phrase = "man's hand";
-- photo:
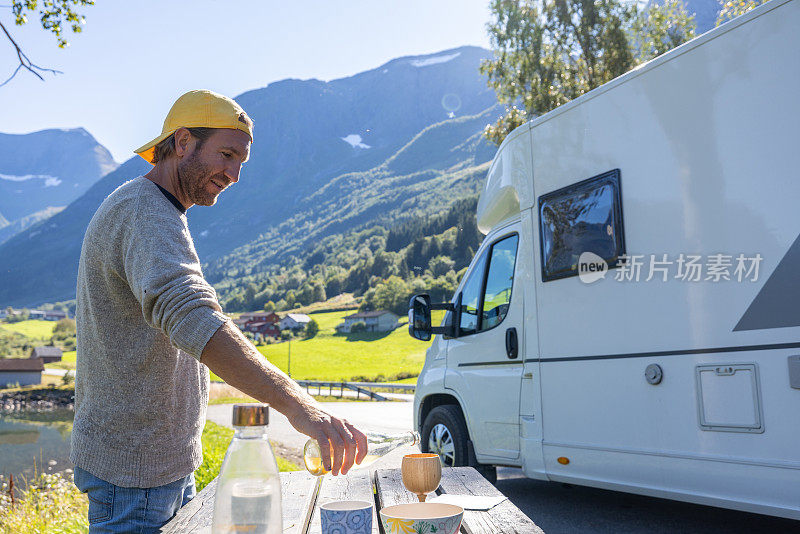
(335, 436)
(234, 359)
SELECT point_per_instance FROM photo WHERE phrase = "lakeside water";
(33, 438)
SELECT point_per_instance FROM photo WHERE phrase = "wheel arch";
(438, 399)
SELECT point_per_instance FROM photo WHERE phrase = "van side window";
(583, 217)
(499, 281)
(470, 297)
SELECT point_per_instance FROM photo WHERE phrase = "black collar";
(171, 198)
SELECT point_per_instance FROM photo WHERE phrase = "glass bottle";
(377, 445)
(248, 495)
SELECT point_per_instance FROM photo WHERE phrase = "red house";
(264, 329)
(255, 317)
(261, 324)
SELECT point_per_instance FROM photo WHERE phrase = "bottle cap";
(250, 414)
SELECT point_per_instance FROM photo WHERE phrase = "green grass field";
(67, 361)
(327, 356)
(331, 356)
(216, 439)
(33, 328)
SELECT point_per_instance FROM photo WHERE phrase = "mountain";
(40, 264)
(9, 229)
(440, 165)
(47, 169)
(386, 144)
(308, 132)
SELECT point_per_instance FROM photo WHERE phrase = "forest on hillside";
(385, 264)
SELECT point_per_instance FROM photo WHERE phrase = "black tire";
(448, 422)
(452, 419)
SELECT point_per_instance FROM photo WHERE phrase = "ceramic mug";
(346, 517)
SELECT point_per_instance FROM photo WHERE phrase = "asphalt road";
(555, 507)
(58, 372)
(561, 508)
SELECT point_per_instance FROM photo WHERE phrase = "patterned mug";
(346, 517)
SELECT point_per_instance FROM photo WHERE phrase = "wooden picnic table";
(384, 487)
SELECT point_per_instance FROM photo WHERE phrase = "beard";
(194, 178)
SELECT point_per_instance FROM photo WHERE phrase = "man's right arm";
(233, 358)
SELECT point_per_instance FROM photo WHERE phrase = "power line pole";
(289, 359)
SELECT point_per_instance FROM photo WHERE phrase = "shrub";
(66, 326)
(312, 328)
(18, 318)
(358, 327)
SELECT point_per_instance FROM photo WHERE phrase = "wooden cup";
(421, 474)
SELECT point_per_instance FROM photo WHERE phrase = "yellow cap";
(200, 109)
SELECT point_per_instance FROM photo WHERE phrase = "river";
(35, 441)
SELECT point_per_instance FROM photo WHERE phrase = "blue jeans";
(114, 509)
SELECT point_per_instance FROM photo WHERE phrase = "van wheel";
(445, 433)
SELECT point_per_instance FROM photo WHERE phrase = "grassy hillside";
(18, 339)
(332, 356)
(32, 328)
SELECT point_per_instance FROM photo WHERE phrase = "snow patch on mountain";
(434, 60)
(354, 140)
(49, 181)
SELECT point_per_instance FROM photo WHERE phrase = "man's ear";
(183, 142)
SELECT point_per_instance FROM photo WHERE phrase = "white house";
(54, 315)
(294, 321)
(21, 371)
(375, 321)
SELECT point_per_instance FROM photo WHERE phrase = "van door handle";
(512, 344)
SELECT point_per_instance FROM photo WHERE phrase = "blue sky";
(134, 59)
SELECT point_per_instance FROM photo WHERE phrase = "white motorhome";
(681, 380)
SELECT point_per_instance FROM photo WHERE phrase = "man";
(149, 325)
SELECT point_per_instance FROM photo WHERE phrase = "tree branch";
(24, 61)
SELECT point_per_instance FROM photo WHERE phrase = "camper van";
(631, 320)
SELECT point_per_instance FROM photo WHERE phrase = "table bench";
(384, 487)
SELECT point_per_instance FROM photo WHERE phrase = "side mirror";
(419, 317)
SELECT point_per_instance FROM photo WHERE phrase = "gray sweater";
(144, 314)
